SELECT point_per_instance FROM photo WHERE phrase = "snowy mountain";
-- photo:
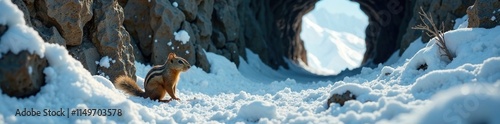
(338, 22)
(334, 42)
(465, 90)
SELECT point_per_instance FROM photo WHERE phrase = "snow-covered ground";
(334, 41)
(465, 90)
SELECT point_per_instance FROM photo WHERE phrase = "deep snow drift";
(465, 90)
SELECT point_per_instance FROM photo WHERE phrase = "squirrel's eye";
(180, 62)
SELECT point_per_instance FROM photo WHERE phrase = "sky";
(342, 6)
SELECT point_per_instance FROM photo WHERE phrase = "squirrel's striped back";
(155, 71)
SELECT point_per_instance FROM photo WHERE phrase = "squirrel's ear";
(171, 55)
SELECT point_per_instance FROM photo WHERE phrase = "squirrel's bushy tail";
(128, 85)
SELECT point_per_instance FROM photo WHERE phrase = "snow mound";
(18, 35)
(470, 103)
(256, 110)
(471, 46)
(489, 69)
(11, 15)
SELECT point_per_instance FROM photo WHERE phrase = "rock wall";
(225, 27)
(386, 18)
(391, 22)
(484, 13)
(442, 11)
(143, 30)
(89, 29)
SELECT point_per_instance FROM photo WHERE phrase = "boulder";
(218, 39)
(165, 20)
(138, 55)
(225, 19)
(68, 16)
(21, 75)
(138, 23)
(201, 59)
(203, 24)
(55, 37)
(484, 14)
(112, 40)
(188, 7)
(87, 54)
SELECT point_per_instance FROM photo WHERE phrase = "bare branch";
(432, 30)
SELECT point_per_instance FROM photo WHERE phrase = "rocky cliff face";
(385, 20)
(484, 13)
(444, 12)
(89, 29)
(144, 31)
(391, 21)
(128, 31)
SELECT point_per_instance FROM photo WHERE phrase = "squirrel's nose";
(189, 66)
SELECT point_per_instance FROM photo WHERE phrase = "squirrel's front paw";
(175, 98)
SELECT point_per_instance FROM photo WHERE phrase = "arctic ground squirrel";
(161, 79)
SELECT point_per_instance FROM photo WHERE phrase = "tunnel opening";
(334, 37)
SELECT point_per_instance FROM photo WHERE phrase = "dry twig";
(433, 31)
